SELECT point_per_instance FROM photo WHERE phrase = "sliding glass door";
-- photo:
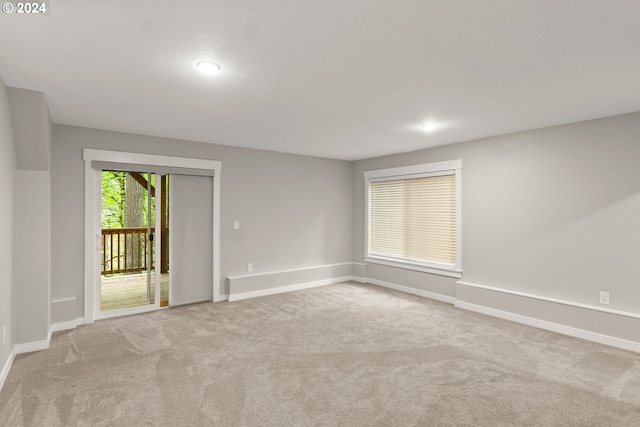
(134, 242)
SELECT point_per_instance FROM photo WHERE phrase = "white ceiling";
(345, 79)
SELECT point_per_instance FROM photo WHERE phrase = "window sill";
(441, 271)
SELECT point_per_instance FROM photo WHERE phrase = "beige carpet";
(340, 355)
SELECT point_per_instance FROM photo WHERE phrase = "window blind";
(414, 219)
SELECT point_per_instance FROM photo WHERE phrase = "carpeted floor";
(339, 355)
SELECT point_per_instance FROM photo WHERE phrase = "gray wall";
(32, 226)
(31, 256)
(294, 211)
(551, 212)
(7, 179)
(31, 129)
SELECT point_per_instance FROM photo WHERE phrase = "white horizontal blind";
(414, 219)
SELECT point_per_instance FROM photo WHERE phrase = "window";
(413, 217)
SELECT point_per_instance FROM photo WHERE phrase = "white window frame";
(418, 171)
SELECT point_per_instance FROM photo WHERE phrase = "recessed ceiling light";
(208, 67)
(429, 126)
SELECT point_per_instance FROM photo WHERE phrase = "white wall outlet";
(4, 334)
(236, 225)
(604, 297)
(250, 267)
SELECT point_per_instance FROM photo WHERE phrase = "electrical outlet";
(604, 297)
(250, 267)
(236, 225)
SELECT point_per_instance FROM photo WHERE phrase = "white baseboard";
(413, 291)
(221, 298)
(173, 304)
(289, 288)
(28, 347)
(359, 279)
(548, 299)
(553, 327)
(291, 270)
(6, 368)
(63, 326)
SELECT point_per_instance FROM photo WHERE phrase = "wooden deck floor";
(122, 291)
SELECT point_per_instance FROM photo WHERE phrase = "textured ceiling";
(344, 79)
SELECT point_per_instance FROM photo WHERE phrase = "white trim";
(388, 178)
(64, 326)
(224, 297)
(413, 291)
(68, 299)
(458, 266)
(129, 311)
(366, 217)
(197, 301)
(289, 288)
(416, 267)
(553, 327)
(359, 279)
(414, 169)
(553, 300)
(97, 229)
(92, 217)
(244, 276)
(89, 244)
(215, 231)
(6, 368)
(28, 347)
(150, 159)
(171, 250)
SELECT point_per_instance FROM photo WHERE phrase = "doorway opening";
(134, 269)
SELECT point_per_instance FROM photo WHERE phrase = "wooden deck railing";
(124, 250)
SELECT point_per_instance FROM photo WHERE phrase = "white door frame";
(93, 210)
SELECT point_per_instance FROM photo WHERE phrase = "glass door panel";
(128, 239)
